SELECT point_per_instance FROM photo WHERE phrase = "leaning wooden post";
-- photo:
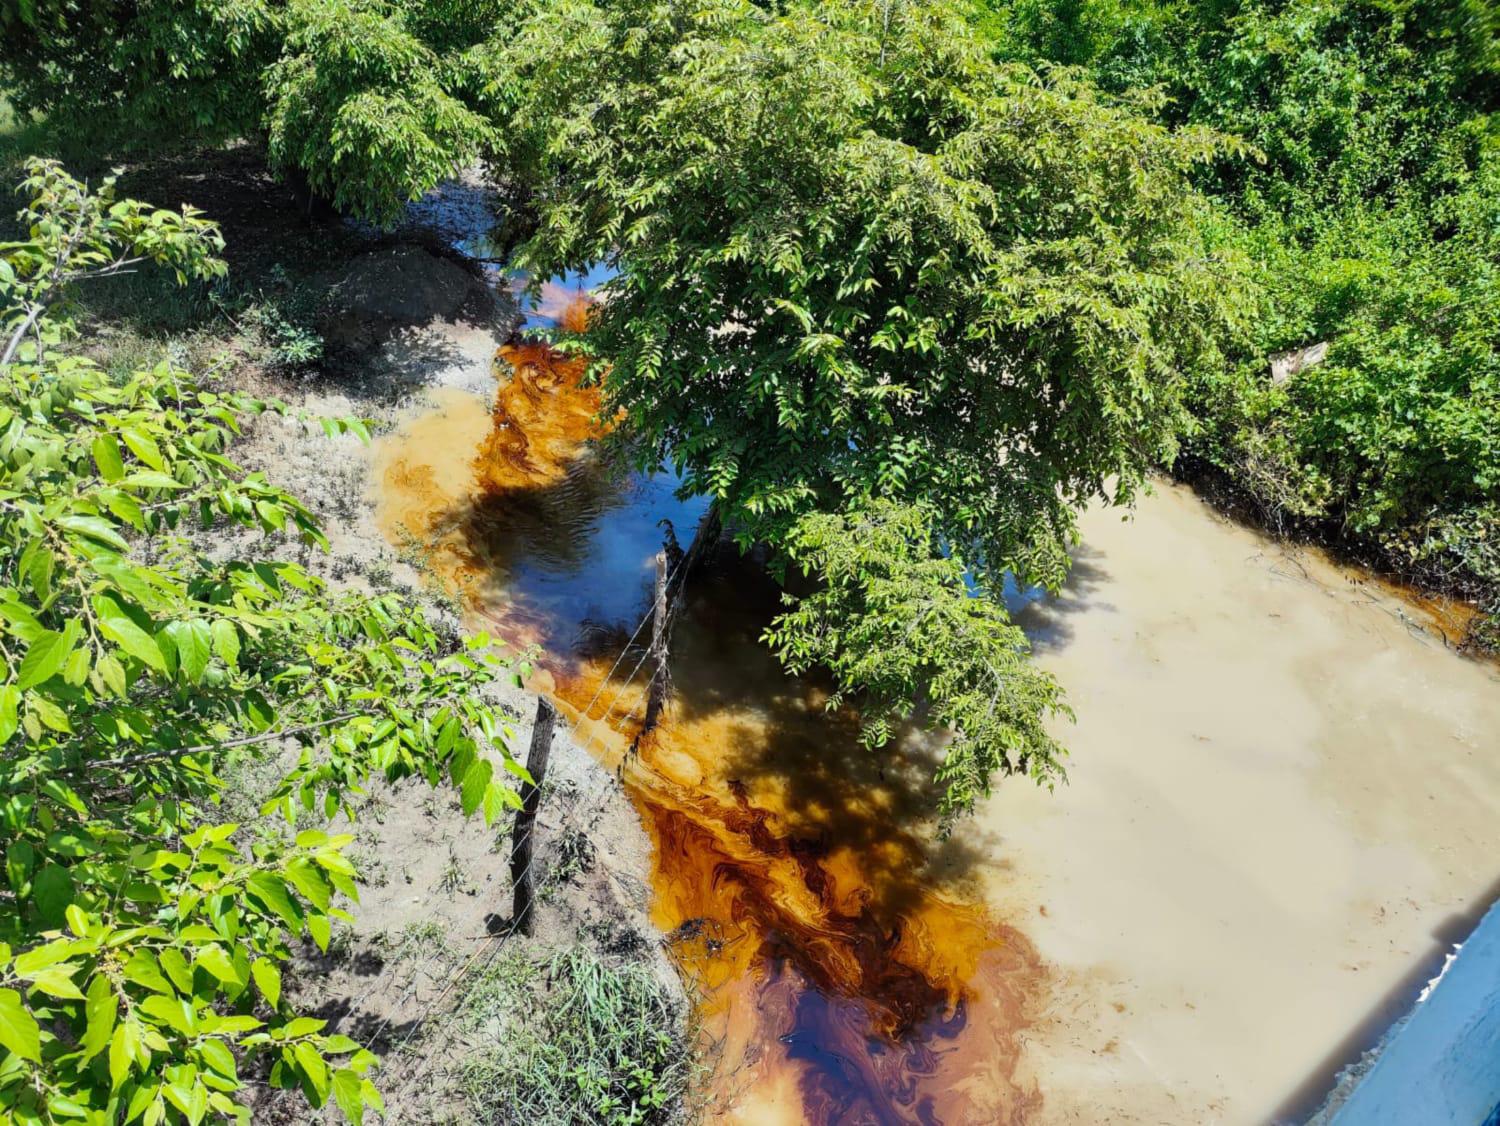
(656, 690)
(523, 881)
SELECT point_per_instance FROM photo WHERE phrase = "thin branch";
(228, 744)
(20, 333)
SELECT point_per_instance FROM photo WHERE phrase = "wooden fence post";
(656, 688)
(523, 880)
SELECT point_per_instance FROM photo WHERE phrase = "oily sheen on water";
(842, 973)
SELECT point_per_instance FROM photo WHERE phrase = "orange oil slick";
(843, 974)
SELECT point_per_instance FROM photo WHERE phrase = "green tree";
(872, 278)
(861, 262)
(140, 936)
(1371, 223)
(371, 102)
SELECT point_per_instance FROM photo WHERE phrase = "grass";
(574, 1039)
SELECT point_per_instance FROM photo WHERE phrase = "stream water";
(841, 978)
(851, 968)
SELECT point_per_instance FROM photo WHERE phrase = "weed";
(574, 1039)
(575, 855)
(454, 877)
(379, 575)
(416, 941)
(371, 869)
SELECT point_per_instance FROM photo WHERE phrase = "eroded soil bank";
(1282, 793)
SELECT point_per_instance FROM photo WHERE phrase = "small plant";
(379, 575)
(575, 1040)
(289, 341)
(370, 869)
(454, 877)
(575, 855)
(415, 942)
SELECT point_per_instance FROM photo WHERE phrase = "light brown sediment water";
(1280, 790)
(1284, 805)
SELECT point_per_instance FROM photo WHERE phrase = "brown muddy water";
(1281, 790)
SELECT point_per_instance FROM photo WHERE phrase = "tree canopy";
(869, 274)
(865, 268)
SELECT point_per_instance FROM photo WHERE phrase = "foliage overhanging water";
(843, 972)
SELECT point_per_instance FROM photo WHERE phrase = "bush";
(1371, 216)
(140, 935)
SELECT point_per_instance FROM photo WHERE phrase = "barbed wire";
(592, 738)
(491, 945)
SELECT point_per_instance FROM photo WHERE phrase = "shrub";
(140, 937)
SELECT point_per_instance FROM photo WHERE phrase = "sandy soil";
(1284, 807)
(436, 885)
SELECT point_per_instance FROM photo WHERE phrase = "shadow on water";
(1048, 621)
(796, 869)
(816, 855)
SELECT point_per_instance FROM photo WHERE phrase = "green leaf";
(176, 967)
(476, 780)
(311, 1064)
(310, 883)
(92, 527)
(271, 514)
(271, 890)
(19, 858)
(346, 1094)
(112, 673)
(134, 640)
(46, 655)
(174, 1014)
(143, 446)
(58, 982)
(321, 930)
(143, 970)
(267, 980)
(107, 457)
(18, 1029)
(194, 645)
(151, 479)
(216, 960)
(218, 1056)
(52, 891)
(226, 641)
(10, 700)
(302, 1026)
(38, 563)
(121, 1051)
(100, 1014)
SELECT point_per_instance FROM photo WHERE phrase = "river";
(1283, 790)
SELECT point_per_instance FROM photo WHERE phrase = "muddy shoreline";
(435, 885)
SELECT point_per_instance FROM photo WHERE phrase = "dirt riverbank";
(435, 886)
